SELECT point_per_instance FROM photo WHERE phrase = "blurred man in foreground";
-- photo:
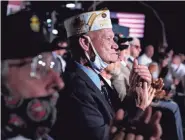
(30, 82)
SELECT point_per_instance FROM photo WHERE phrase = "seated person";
(146, 57)
(164, 102)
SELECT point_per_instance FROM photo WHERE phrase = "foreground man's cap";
(22, 36)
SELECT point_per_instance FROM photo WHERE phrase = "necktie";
(104, 90)
(130, 60)
(106, 94)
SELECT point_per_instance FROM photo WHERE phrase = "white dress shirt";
(144, 60)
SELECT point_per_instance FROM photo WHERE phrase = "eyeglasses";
(136, 46)
(42, 64)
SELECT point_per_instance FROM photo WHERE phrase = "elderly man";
(124, 48)
(135, 50)
(120, 71)
(30, 82)
(146, 58)
(88, 106)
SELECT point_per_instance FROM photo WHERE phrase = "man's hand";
(139, 74)
(142, 71)
(140, 79)
(144, 95)
(149, 121)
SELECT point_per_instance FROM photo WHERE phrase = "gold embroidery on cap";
(93, 17)
(35, 24)
(104, 15)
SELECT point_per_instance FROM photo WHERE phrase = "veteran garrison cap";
(86, 22)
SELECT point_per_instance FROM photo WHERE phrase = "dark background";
(172, 13)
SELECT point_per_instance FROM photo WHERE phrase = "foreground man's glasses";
(42, 64)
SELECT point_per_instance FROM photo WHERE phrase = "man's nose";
(56, 80)
(115, 46)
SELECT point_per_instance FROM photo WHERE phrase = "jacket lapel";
(116, 102)
(97, 93)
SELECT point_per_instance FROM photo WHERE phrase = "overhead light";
(48, 20)
(70, 5)
(54, 31)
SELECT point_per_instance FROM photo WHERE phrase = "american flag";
(134, 21)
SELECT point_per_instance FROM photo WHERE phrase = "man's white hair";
(135, 41)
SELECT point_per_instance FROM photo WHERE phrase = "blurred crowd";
(95, 84)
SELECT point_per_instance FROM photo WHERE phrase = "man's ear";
(84, 43)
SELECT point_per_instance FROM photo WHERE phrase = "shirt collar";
(108, 81)
(146, 56)
(92, 75)
(132, 58)
(123, 63)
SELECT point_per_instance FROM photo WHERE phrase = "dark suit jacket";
(84, 113)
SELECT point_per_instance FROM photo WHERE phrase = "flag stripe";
(136, 35)
(135, 22)
(137, 26)
(129, 15)
(124, 20)
(133, 30)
